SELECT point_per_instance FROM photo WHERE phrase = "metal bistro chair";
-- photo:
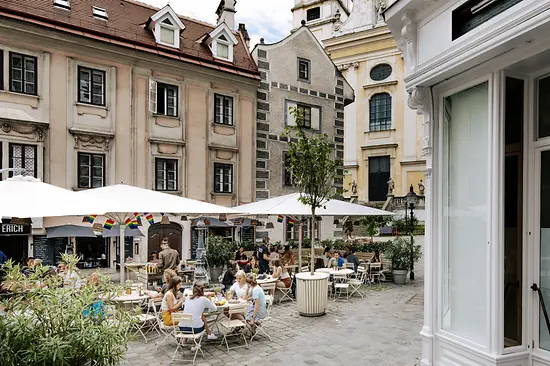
(187, 321)
(260, 325)
(269, 288)
(341, 284)
(287, 292)
(356, 283)
(147, 322)
(375, 272)
(165, 330)
(232, 325)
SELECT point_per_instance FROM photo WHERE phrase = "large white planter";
(312, 293)
(400, 276)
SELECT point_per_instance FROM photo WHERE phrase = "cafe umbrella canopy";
(290, 205)
(121, 201)
(26, 197)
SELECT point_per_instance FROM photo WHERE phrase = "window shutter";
(290, 121)
(152, 96)
(315, 118)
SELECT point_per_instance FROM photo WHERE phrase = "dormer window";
(166, 27)
(221, 41)
(65, 4)
(100, 13)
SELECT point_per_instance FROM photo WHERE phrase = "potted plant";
(219, 252)
(400, 253)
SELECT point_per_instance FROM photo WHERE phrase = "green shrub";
(52, 325)
(219, 251)
(399, 253)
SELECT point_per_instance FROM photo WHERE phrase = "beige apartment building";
(383, 136)
(99, 92)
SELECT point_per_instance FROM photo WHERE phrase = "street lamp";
(411, 200)
(200, 270)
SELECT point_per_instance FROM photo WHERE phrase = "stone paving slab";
(381, 329)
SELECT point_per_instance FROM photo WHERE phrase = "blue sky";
(270, 19)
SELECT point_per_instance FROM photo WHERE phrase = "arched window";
(380, 112)
(380, 72)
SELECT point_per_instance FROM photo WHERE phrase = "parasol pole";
(300, 239)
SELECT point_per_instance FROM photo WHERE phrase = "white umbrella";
(291, 206)
(121, 201)
(24, 196)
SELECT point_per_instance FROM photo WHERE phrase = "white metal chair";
(350, 266)
(269, 288)
(287, 292)
(304, 269)
(375, 272)
(186, 320)
(259, 326)
(165, 330)
(147, 322)
(341, 284)
(356, 283)
(231, 325)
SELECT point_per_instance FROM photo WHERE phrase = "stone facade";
(325, 92)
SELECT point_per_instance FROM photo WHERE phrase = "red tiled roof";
(127, 27)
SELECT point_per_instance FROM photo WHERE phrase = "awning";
(66, 231)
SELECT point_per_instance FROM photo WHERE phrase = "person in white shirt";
(240, 288)
(195, 305)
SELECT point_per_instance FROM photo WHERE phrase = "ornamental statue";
(380, 6)
(353, 187)
(391, 187)
(421, 187)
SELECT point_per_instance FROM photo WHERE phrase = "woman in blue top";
(258, 309)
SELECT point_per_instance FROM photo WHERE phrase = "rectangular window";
(380, 112)
(91, 170)
(306, 114)
(223, 109)
(1, 70)
(222, 50)
(465, 178)
(100, 13)
(223, 178)
(473, 13)
(167, 35)
(304, 70)
(23, 157)
(65, 4)
(543, 106)
(379, 175)
(313, 13)
(23, 74)
(91, 86)
(288, 178)
(166, 174)
(167, 100)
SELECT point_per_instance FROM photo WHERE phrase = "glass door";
(542, 288)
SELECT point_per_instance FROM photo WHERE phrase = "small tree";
(314, 167)
(374, 223)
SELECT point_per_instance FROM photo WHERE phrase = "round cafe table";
(269, 279)
(331, 271)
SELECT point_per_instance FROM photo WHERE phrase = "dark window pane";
(378, 178)
(313, 13)
(380, 72)
(380, 109)
(544, 107)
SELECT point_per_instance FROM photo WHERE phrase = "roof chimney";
(226, 13)
(244, 32)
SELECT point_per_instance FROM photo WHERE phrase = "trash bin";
(312, 293)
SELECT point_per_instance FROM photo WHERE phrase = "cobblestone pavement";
(380, 330)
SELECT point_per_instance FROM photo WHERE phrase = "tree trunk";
(300, 241)
(313, 236)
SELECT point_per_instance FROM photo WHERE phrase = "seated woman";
(281, 273)
(160, 291)
(240, 288)
(195, 305)
(258, 309)
(170, 303)
(252, 266)
(229, 276)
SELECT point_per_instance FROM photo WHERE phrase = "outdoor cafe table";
(331, 271)
(268, 279)
(134, 297)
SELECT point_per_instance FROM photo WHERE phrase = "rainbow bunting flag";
(280, 218)
(128, 222)
(89, 218)
(109, 224)
(290, 222)
(150, 218)
(135, 223)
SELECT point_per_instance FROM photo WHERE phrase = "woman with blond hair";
(240, 287)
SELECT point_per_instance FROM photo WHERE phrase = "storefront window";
(465, 214)
(94, 252)
(544, 331)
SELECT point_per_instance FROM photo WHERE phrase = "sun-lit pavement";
(381, 329)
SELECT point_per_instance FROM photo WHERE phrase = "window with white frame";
(163, 98)
(223, 109)
(23, 157)
(166, 174)
(23, 73)
(221, 42)
(380, 112)
(311, 115)
(223, 178)
(167, 32)
(166, 27)
(222, 47)
(91, 86)
(91, 170)
(304, 70)
(65, 4)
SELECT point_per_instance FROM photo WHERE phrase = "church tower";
(321, 15)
